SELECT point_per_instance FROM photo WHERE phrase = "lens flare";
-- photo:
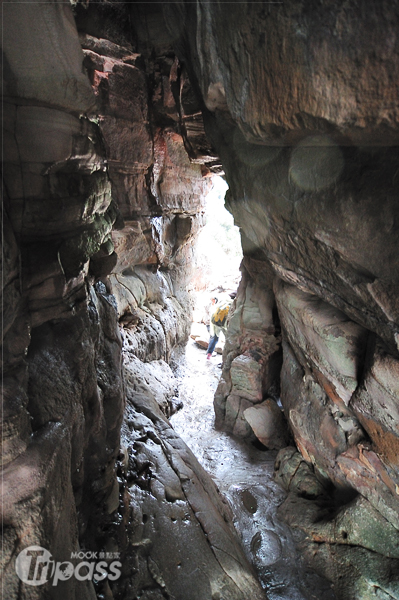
(316, 163)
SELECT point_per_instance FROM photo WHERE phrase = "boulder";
(268, 424)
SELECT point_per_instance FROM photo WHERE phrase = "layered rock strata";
(301, 103)
(92, 145)
(252, 362)
(63, 393)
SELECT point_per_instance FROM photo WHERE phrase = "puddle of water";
(249, 501)
(244, 475)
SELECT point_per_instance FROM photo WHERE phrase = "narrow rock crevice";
(116, 117)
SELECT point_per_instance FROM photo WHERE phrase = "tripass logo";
(35, 566)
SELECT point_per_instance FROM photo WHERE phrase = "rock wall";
(107, 152)
(63, 394)
(301, 102)
(245, 399)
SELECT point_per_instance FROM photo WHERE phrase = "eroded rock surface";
(312, 185)
(252, 356)
(347, 533)
(63, 389)
(181, 542)
(103, 151)
(106, 157)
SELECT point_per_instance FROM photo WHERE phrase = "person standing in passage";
(218, 322)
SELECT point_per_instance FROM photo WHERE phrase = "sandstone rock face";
(252, 356)
(159, 192)
(104, 173)
(63, 389)
(376, 405)
(307, 141)
(315, 233)
(94, 143)
(177, 540)
(310, 71)
(354, 542)
(330, 342)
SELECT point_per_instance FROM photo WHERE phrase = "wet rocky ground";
(244, 475)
